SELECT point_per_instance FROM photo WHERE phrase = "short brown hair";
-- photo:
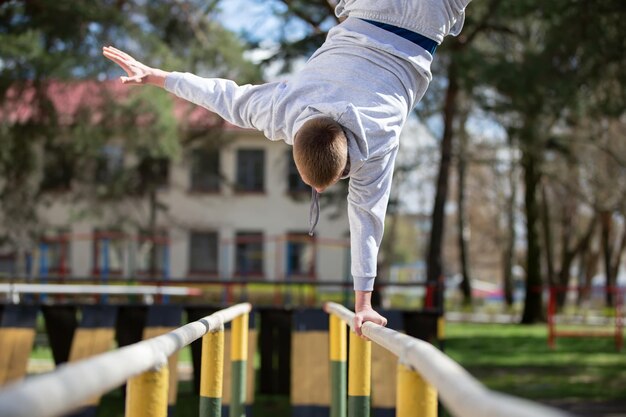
(320, 150)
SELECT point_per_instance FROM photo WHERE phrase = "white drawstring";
(314, 211)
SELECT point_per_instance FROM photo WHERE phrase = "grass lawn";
(516, 359)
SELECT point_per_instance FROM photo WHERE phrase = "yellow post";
(146, 394)
(239, 361)
(415, 397)
(212, 373)
(359, 376)
(338, 361)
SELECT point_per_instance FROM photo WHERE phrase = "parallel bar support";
(212, 374)
(414, 396)
(239, 360)
(338, 366)
(359, 376)
(146, 394)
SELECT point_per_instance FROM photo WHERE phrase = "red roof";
(71, 97)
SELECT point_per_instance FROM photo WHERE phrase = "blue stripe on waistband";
(420, 40)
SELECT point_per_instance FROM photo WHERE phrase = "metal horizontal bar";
(462, 394)
(71, 385)
(231, 280)
(97, 289)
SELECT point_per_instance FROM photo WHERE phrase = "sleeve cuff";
(170, 81)
(364, 283)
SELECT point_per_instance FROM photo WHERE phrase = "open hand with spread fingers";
(137, 73)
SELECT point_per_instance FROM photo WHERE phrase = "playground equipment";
(17, 334)
(15, 290)
(142, 364)
(423, 371)
(583, 328)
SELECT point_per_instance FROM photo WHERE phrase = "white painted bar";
(462, 394)
(19, 288)
(71, 385)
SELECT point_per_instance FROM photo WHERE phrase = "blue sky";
(256, 18)
(248, 16)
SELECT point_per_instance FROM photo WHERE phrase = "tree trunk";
(568, 256)
(389, 248)
(463, 232)
(509, 252)
(153, 232)
(582, 278)
(589, 268)
(547, 235)
(606, 226)
(618, 255)
(388, 251)
(434, 268)
(389, 242)
(20, 263)
(533, 308)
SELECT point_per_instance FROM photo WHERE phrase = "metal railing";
(423, 373)
(144, 366)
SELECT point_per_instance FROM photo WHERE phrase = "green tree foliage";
(35, 49)
(60, 102)
(549, 64)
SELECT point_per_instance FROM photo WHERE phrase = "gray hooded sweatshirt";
(366, 78)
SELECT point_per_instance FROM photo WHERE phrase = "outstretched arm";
(248, 106)
(136, 72)
(368, 197)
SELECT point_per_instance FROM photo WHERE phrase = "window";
(109, 249)
(7, 264)
(205, 170)
(249, 253)
(203, 253)
(153, 254)
(54, 254)
(294, 181)
(153, 172)
(109, 164)
(251, 170)
(300, 255)
(58, 167)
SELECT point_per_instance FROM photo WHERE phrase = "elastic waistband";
(414, 37)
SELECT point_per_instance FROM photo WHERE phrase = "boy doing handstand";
(343, 112)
